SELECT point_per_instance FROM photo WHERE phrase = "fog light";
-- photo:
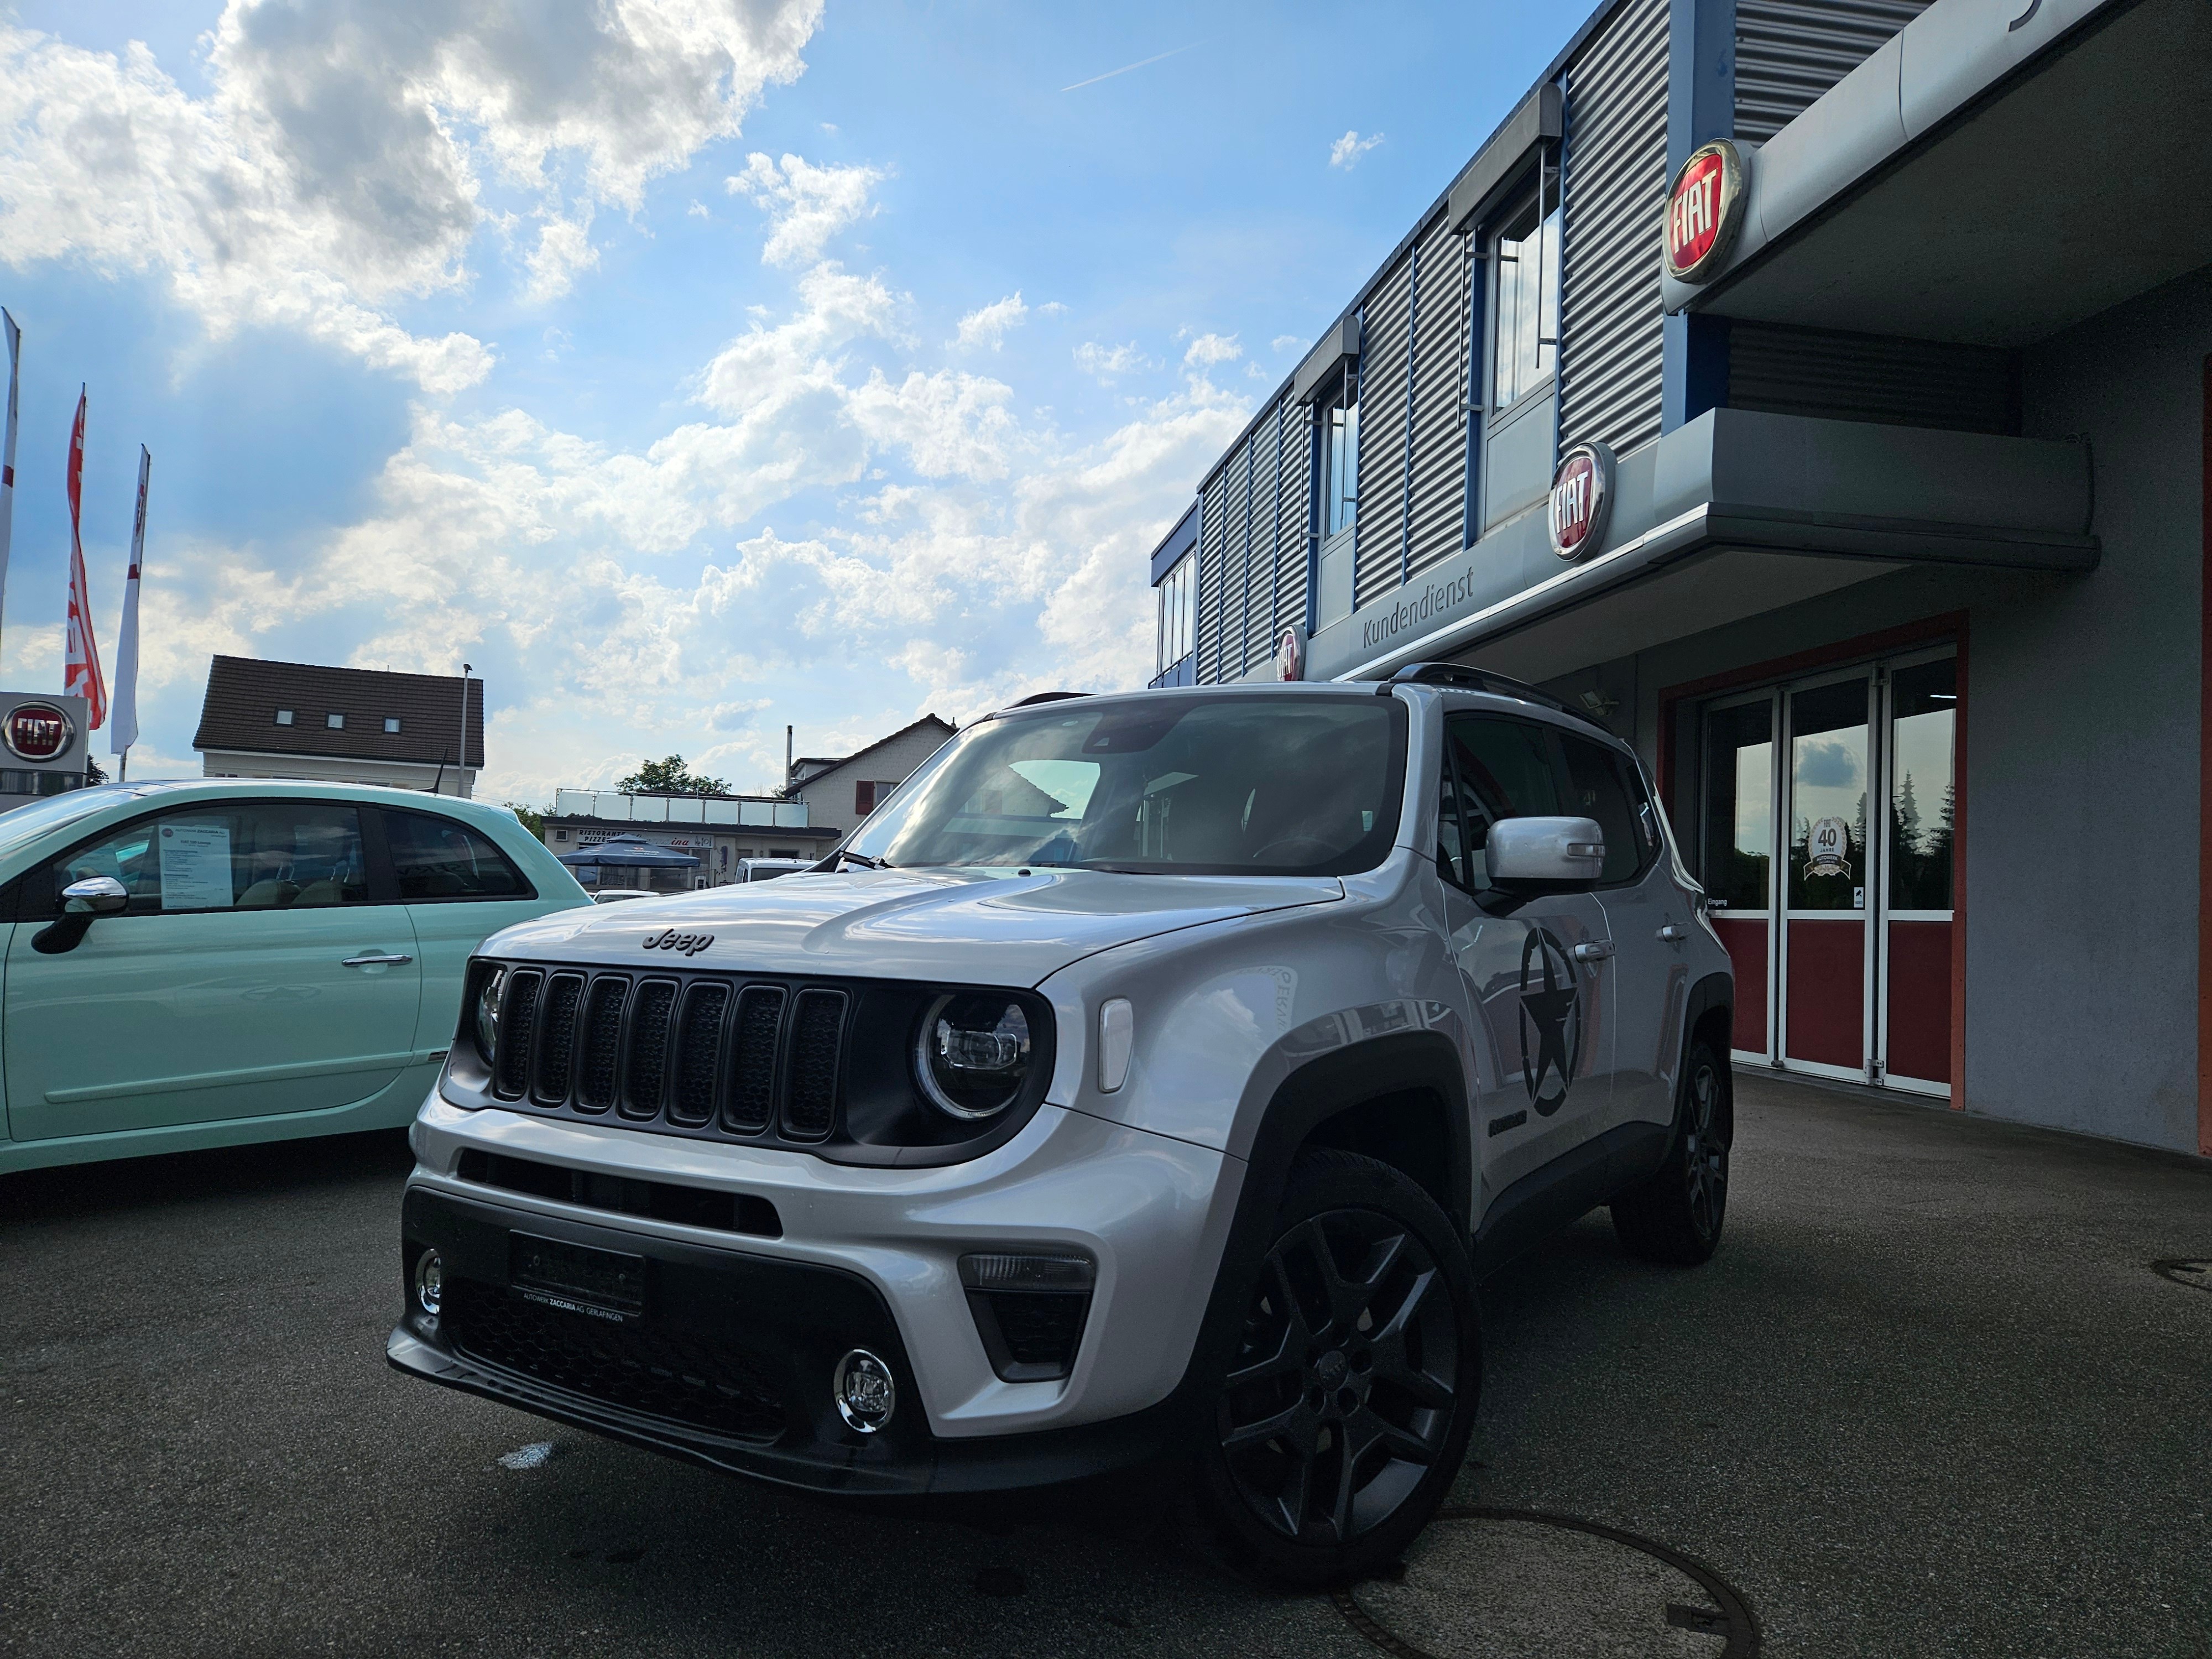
(864, 1391)
(429, 1281)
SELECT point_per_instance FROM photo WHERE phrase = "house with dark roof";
(292, 719)
(842, 790)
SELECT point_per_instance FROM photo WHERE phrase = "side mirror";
(95, 896)
(1554, 851)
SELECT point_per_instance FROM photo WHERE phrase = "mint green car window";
(260, 855)
(435, 857)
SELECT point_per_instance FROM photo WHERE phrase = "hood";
(978, 926)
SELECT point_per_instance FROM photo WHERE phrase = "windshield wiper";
(845, 855)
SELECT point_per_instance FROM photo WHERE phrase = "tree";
(532, 817)
(669, 777)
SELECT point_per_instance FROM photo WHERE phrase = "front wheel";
(1345, 1412)
(1676, 1216)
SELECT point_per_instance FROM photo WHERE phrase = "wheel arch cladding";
(1405, 1092)
(1710, 1014)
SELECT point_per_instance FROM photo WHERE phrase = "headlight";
(973, 1055)
(488, 1001)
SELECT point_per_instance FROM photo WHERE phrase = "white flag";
(8, 454)
(123, 731)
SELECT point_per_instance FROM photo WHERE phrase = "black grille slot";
(518, 1031)
(649, 1048)
(698, 1043)
(557, 1044)
(658, 1373)
(818, 1027)
(752, 1058)
(664, 1200)
(603, 1013)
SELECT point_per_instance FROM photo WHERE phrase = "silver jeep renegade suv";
(1150, 1075)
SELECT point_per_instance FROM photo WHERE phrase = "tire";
(1676, 1216)
(1361, 1336)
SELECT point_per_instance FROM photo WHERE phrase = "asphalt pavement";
(1932, 1397)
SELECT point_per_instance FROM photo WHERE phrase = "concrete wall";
(828, 795)
(2082, 743)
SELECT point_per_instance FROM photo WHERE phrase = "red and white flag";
(8, 447)
(124, 732)
(79, 651)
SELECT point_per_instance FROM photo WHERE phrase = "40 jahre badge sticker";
(1828, 847)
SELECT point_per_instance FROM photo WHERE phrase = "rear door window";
(435, 857)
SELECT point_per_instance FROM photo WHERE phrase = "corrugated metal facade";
(1384, 384)
(1212, 590)
(1865, 377)
(1439, 436)
(1788, 53)
(1610, 374)
(1294, 496)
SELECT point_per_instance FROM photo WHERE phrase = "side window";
(1601, 785)
(435, 857)
(1504, 770)
(267, 855)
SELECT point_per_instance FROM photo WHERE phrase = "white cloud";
(1346, 151)
(1286, 342)
(338, 164)
(698, 209)
(807, 204)
(1207, 349)
(1106, 362)
(988, 325)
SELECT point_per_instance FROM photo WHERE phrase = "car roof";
(292, 789)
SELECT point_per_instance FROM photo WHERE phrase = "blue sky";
(691, 369)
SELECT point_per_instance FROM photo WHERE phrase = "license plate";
(597, 1283)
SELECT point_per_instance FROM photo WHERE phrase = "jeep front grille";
(702, 1053)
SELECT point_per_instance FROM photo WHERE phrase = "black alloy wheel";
(1677, 1215)
(1344, 1414)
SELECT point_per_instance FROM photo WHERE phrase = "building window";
(1527, 257)
(783, 852)
(392, 722)
(560, 834)
(1338, 413)
(336, 722)
(283, 717)
(1178, 619)
(868, 796)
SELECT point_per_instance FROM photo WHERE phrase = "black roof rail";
(1470, 678)
(1046, 696)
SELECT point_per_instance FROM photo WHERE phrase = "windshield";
(1267, 784)
(25, 823)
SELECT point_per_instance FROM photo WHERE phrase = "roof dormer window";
(391, 723)
(283, 717)
(336, 722)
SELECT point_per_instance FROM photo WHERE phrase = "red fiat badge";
(1582, 495)
(1704, 210)
(37, 730)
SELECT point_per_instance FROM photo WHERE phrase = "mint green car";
(207, 962)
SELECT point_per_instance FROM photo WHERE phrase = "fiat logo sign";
(37, 730)
(1582, 497)
(1290, 656)
(1704, 211)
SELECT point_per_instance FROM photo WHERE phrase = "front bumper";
(731, 1362)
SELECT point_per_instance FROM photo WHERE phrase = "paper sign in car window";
(196, 866)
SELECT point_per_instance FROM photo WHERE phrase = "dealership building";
(1813, 392)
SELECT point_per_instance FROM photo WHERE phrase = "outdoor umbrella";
(631, 852)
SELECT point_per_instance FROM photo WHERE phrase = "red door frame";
(1952, 625)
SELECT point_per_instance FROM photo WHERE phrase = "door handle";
(1594, 950)
(378, 960)
(1673, 933)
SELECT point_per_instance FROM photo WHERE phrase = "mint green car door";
(459, 890)
(248, 975)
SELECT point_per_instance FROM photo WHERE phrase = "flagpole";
(81, 675)
(8, 447)
(124, 731)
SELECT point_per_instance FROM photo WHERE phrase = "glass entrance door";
(1825, 959)
(1829, 846)
(1920, 769)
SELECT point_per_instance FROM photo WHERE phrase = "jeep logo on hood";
(669, 939)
